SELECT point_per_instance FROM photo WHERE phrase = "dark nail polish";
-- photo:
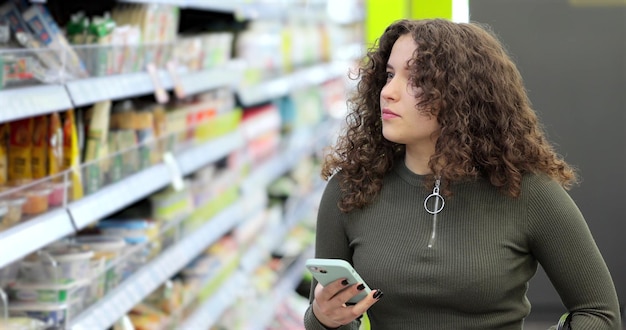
(344, 282)
(360, 287)
(378, 294)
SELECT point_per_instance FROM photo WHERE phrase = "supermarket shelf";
(192, 160)
(118, 195)
(298, 146)
(212, 5)
(190, 83)
(210, 311)
(90, 90)
(272, 89)
(23, 102)
(31, 235)
(271, 237)
(134, 289)
(349, 52)
(240, 9)
(287, 284)
(267, 172)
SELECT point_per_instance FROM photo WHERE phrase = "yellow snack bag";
(20, 145)
(4, 128)
(55, 144)
(39, 147)
(71, 154)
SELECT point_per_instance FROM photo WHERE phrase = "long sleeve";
(563, 244)
(330, 242)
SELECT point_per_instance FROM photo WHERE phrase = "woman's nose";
(388, 91)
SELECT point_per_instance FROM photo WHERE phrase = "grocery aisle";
(159, 159)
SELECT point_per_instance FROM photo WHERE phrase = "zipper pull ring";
(438, 198)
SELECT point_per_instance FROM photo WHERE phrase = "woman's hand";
(329, 305)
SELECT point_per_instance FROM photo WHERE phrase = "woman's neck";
(417, 162)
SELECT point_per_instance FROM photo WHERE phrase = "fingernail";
(378, 294)
(360, 287)
(344, 282)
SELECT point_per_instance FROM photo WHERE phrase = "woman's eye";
(389, 75)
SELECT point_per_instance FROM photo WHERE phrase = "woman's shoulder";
(541, 185)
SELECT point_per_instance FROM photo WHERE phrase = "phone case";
(326, 271)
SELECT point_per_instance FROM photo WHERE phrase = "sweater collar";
(407, 175)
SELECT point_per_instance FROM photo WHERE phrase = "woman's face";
(403, 123)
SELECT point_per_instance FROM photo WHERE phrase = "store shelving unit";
(52, 226)
(287, 284)
(281, 86)
(31, 235)
(133, 290)
(33, 101)
(36, 233)
(27, 237)
(208, 313)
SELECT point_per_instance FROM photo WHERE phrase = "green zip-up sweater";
(487, 247)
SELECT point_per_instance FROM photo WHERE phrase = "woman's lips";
(388, 114)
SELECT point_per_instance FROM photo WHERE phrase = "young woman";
(445, 194)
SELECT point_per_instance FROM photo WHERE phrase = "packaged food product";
(74, 291)
(96, 146)
(58, 193)
(53, 314)
(57, 264)
(8, 274)
(36, 200)
(22, 323)
(39, 149)
(14, 209)
(71, 154)
(109, 250)
(4, 209)
(4, 128)
(55, 144)
(20, 144)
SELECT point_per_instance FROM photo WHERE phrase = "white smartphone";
(326, 271)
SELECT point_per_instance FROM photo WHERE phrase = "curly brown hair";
(488, 128)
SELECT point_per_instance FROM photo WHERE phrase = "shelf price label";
(179, 89)
(160, 93)
(178, 182)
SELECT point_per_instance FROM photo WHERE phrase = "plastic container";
(58, 191)
(107, 251)
(36, 200)
(49, 292)
(8, 274)
(72, 265)
(22, 323)
(14, 205)
(53, 314)
(4, 210)
(125, 228)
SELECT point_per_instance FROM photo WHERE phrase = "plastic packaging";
(49, 292)
(109, 250)
(8, 274)
(14, 210)
(71, 264)
(36, 200)
(52, 314)
(58, 191)
(22, 323)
